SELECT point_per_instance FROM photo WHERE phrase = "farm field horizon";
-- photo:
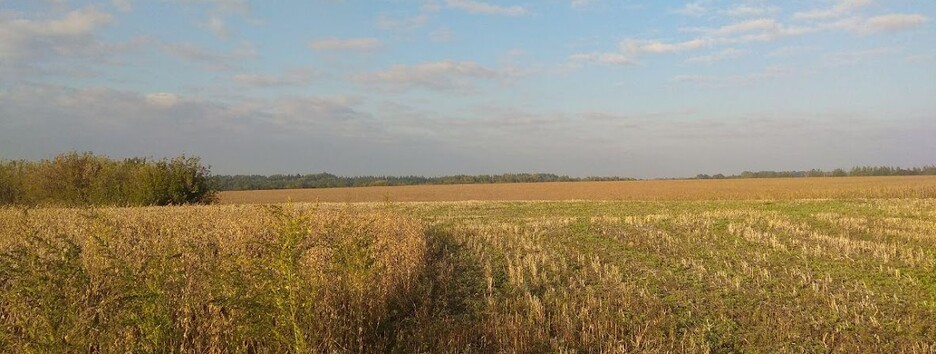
(144, 257)
(687, 189)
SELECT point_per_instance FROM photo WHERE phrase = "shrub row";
(74, 179)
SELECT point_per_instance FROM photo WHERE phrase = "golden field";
(773, 188)
(697, 276)
(203, 279)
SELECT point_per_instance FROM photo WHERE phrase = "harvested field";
(779, 276)
(736, 189)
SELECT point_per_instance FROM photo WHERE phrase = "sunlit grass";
(846, 276)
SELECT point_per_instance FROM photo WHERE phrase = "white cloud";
(879, 24)
(52, 2)
(22, 39)
(842, 8)
(295, 77)
(657, 47)
(442, 35)
(580, 3)
(194, 52)
(790, 51)
(340, 135)
(604, 58)
(430, 6)
(630, 50)
(123, 5)
(446, 75)
(857, 56)
(895, 22)
(746, 31)
(761, 24)
(751, 30)
(338, 115)
(126, 121)
(411, 22)
(217, 26)
(246, 49)
(693, 9)
(345, 44)
(748, 10)
(725, 54)
(730, 81)
(754, 30)
(405, 23)
(162, 99)
(241, 7)
(212, 59)
(478, 7)
(921, 58)
(78, 22)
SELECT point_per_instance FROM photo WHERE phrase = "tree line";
(860, 171)
(327, 180)
(73, 179)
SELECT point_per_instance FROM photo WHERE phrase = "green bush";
(74, 179)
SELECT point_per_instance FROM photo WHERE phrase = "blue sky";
(399, 87)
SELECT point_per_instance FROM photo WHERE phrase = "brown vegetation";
(780, 188)
(204, 279)
(839, 276)
(81, 179)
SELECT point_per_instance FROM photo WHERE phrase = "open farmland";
(762, 188)
(467, 176)
(856, 275)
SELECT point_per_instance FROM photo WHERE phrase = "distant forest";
(861, 171)
(73, 178)
(327, 180)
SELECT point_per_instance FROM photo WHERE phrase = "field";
(767, 272)
(773, 188)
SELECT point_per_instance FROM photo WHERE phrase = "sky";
(439, 87)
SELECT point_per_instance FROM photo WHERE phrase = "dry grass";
(204, 279)
(780, 188)
(767, 276)
(793, 276)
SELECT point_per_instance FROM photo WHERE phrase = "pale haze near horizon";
(574, 87)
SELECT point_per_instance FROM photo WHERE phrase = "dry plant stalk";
(841, 276)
